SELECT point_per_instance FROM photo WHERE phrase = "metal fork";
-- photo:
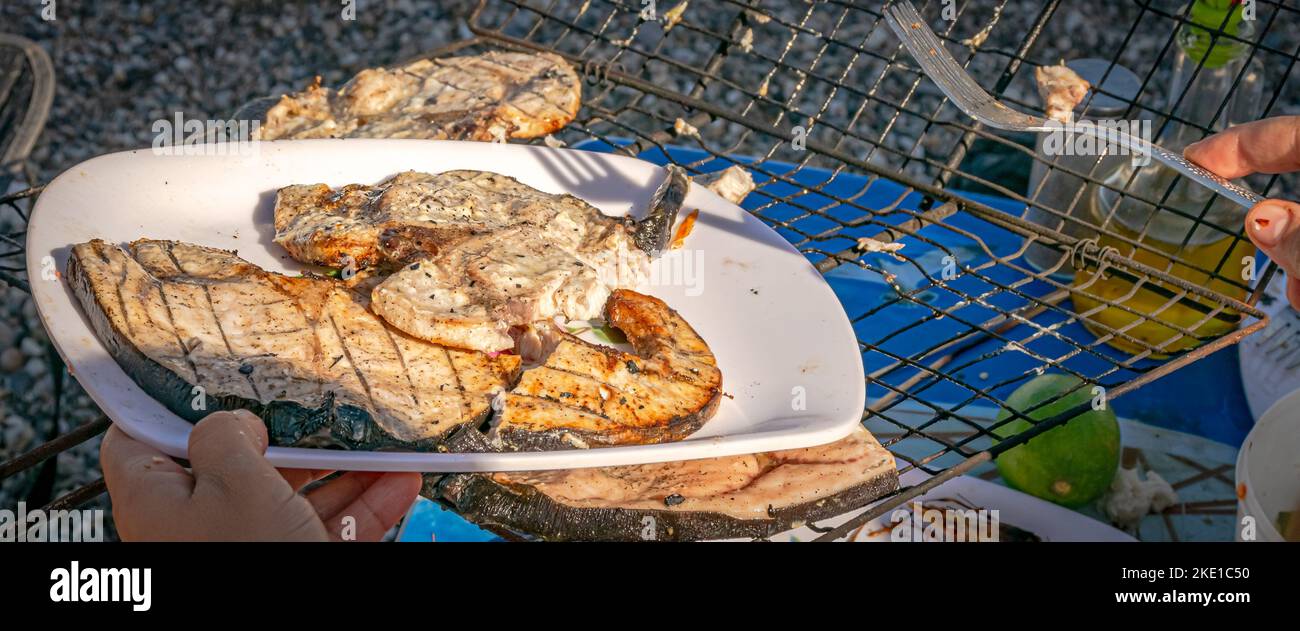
(967, 95)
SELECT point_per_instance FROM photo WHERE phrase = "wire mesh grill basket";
(852, 147)
(849, 140)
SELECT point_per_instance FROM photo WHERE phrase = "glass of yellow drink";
(1192, 235)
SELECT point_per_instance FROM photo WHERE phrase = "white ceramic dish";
(789, 358)
(1268, 471)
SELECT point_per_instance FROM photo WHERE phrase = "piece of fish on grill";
(483, 253)
(587, 395)
(490, 96)
(202, 330)
(757, 495)
(1062, 90)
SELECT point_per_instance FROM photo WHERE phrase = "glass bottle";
(1054, 191)
(1193, 225)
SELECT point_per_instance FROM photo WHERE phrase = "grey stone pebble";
(16, 435)
(12, 359)
(36, 367)
(31, 347)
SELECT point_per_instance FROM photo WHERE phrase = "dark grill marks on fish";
(462, 406)
(356, 369)
(207, 294)
(176, 316)
(171, 321)
(415, 391)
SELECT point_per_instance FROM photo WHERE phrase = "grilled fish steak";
(757, 495)
(490, 96)
(483, 252)
(202, 330)
(413, 215)
(586, 395)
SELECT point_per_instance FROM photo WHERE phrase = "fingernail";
(247, 416)
(260, 435)
(250, 421)
(1268, 224)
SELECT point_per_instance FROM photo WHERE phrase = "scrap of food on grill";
(448, 327)
(1062, 90)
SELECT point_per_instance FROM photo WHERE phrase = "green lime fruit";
(1070, 464)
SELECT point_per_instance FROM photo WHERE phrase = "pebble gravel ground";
(123, 65)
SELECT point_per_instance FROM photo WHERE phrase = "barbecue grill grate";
(848, 140)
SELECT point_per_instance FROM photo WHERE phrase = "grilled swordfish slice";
(490, 96)
(202, 330)
(586, 395)
(757, 495)
(482, 252)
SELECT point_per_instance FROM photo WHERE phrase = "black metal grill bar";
(1101, 257)
(77, 496)
(58, 445)
(948, 169)
(889, 235)
(981, 300)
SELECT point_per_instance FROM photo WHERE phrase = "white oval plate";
(790, 363)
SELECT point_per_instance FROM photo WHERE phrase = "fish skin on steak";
(587, 395)
(491, 96)
(198, 327)
(752, 496)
